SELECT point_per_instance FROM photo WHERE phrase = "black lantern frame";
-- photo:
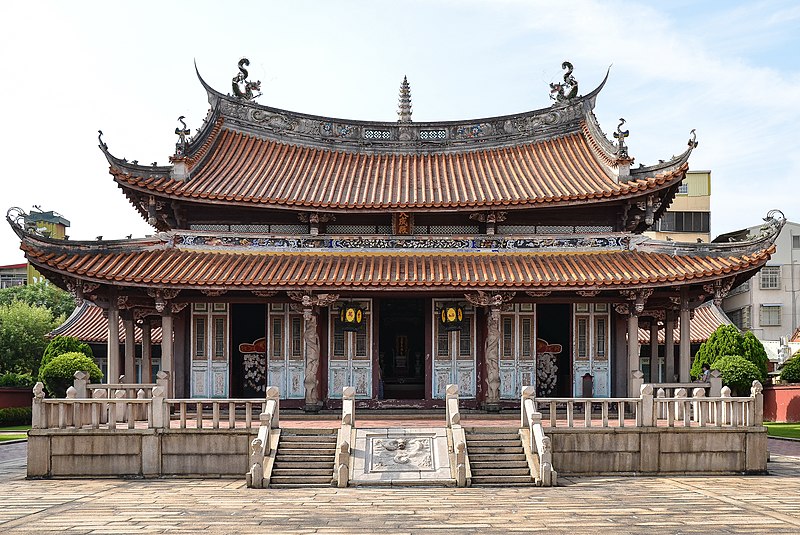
(351, 317)
(451, 317)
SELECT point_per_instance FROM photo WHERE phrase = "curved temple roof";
(250, 154)
(197, 260)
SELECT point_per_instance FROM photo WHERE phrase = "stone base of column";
(491, 407)
(313, 407)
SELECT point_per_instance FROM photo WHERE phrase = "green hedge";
(791, 370)
(17, 380)
(15, 416)
(59, 373)
(738, 373)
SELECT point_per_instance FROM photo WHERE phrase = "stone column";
(113, 342)
(685, 362)
(492, 356)
(669, 347)
(147, 352)
(633, 350)
(166, 348)
(311, 339)
(654, 367)
(130, 349)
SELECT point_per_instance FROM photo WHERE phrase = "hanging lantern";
(351, 316)
(451, 316)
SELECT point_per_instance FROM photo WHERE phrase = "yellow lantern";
(451, 316)
(351, 316)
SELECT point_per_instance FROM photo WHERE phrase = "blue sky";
(729, 69)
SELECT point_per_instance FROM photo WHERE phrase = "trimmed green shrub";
(727, 340)
(15, 416)
(60, 345)
(791, 370)
(738, 373)
(17, 380)
(59, 373)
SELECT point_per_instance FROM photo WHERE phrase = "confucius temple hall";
(311, 253)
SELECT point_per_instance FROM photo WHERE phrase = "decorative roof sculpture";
(242, 87)
(404, 109)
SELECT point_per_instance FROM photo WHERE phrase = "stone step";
(323, 481)
(493, 442)
(502, 481)
(490, 430)
(494, 449)
(314, 457)
(298, 485)
(499, 485)
(498, 436)
(307, 445)
(499, 463)
(278, 471)
(293, 432)
(498, 471)
(309, 438)
(491, 457)
(302, 464)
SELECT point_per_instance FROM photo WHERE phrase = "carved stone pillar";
(309, 305)
(167, 363)
(654, 362)
(669, 347)
(311, 339)
(130, 349)
(147, 352)
(685, 362)
(492, 356)
(633, 349)
(113, 342)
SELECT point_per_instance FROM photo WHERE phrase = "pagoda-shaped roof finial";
(404, 111)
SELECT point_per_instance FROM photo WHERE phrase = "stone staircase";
(497, 458)
(304, 458)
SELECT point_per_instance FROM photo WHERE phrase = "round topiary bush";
(59, 373)
(60, 345)
(791, 370)
(738, 373)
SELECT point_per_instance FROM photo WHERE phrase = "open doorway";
(401, 353)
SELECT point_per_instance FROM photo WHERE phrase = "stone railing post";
(163, 379)
(160, 418)
(661, 407)
(727, 406)
(451, 405)
(715, 378)
(38, 417)
(274, 394)
(637, 380)
(646, 401)
(700, 406)
(680, 396)
(528, 392)
(757, 410)
(80, 382)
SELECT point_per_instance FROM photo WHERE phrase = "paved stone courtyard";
(678, 505)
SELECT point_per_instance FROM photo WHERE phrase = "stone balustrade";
(344, 438)
(459, 466)
(541, 444)
(261, 446)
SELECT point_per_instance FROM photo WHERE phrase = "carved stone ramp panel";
(401, 457)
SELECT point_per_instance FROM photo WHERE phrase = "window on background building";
(683, 188)
(770, 315)
(795, 242)
(770, 277)
(685, 222)
(740, 317)
(744, 287)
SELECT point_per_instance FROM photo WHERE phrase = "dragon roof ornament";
(567, 91)
(242, 87)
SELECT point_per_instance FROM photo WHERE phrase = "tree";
(43, 294)
(738, 373)
(59, 373)
(23, 330)
(726, 340)
(60, 345)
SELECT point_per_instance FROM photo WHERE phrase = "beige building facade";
(688, 218)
